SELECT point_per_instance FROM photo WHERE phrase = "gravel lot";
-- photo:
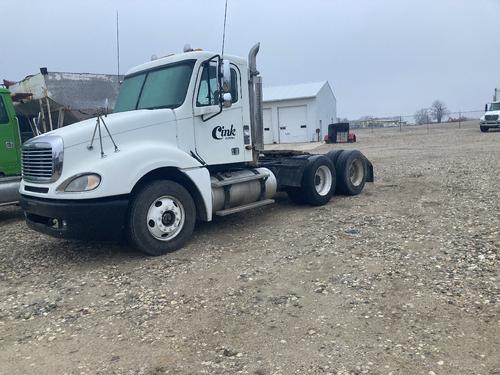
(402, 279)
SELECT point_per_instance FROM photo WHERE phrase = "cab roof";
(193, 55)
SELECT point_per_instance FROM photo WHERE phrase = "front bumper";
(490, 124)
(88, 219)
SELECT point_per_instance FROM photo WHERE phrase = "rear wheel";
(351, 172)
(318, 182)
(162, 218)
(334, 155)
(484, 129)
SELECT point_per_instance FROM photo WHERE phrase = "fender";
(120, 171)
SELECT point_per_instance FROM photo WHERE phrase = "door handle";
(282, 127)
(9, 144)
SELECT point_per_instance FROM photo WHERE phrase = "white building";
(298, 113)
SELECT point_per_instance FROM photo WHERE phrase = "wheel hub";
(168, 218)
(165, 218)
(323, 180)
(356, 172)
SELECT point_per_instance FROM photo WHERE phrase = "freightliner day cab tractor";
(185, 143)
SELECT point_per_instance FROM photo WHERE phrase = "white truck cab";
(185, 143)
(491, 118)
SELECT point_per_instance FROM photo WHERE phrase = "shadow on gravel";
(89, 251)
(10, 213)
(49, 253)
(248, 219)
(34, 249)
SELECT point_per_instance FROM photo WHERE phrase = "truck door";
(218, 133)
(10, 163)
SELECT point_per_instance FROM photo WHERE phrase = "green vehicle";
(13, 133)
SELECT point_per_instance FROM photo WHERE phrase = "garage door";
(292, 124)
(268, 126)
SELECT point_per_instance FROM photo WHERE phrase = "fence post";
(400, 123)
(459, 119)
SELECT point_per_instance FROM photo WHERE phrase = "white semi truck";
(491, 118)
(185, 143)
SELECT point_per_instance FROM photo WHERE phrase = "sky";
(381, 57)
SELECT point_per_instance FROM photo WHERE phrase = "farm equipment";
(339, 133)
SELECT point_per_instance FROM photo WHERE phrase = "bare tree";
(438, 110)
(422, 116)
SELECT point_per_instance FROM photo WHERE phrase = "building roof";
(298, 91)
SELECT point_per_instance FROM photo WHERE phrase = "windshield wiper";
(170, 106)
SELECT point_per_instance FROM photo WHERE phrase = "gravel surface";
(402, 279)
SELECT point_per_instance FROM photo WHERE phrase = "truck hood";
(117, 123)
(492, 113)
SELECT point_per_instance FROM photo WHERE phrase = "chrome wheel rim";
(356, 172)
(323, 180)
(165, 218)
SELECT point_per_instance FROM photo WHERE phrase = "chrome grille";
(491, 117)
(37, 163)
(42, 159)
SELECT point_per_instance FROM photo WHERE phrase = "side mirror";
(486, 107)
(227, 100)
(226, 76)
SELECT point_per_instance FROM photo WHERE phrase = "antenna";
(224, 32)
(117, 48)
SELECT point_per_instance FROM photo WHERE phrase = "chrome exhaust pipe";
(255, 94)
(252, 60)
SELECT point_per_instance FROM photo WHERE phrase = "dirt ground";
(402, 279)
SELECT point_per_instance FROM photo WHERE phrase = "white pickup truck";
(185, 143)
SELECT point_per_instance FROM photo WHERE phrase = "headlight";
(79, 183)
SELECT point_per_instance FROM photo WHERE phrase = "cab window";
(4, 118)
(208, 91)
(165, 87)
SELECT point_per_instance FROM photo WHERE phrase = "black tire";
(296, 195)
(311, 181)
(161, 194)
(352, 170)
(484, 129)
(334, 155)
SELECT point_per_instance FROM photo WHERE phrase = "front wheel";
(483, 129)
(162, 218)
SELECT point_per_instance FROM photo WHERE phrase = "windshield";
(494, 107)
(165, 87)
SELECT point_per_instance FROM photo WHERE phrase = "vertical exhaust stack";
(255, 93)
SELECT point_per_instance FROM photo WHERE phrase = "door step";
(245, 207)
